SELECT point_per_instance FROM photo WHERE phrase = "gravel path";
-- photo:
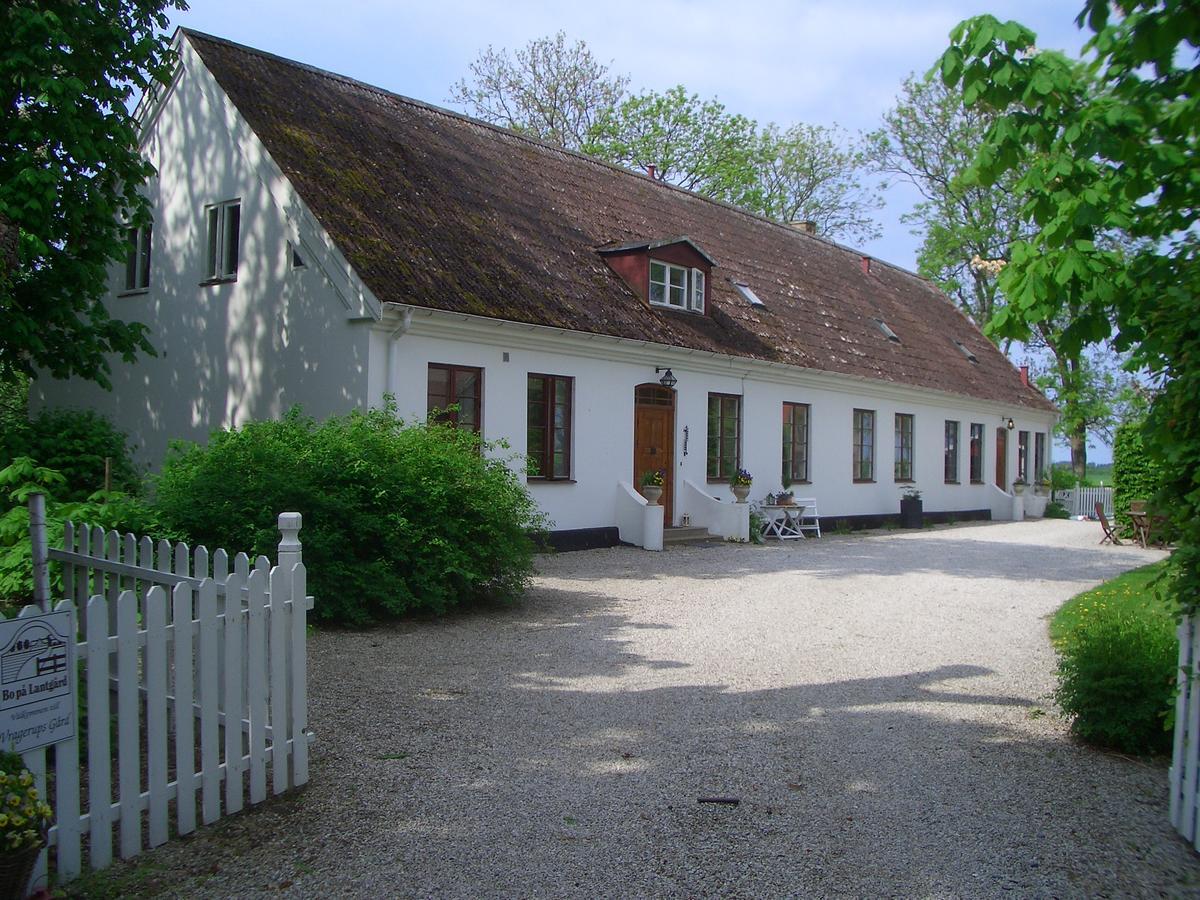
(878, 705)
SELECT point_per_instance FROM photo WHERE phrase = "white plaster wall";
(603, 418)
(231, 352)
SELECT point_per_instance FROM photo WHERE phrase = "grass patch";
(1132, 592)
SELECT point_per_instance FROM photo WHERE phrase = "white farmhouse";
(322, 242)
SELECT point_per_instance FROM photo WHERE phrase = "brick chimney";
(652, 171)
(808, 226)
(1025, 375)
(866, 264)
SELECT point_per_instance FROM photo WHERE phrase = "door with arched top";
(654, 439)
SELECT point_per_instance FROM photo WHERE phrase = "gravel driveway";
(877, 705)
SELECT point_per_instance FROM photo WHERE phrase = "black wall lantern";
(668, 380)
(1011, 424)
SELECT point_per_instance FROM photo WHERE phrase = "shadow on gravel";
(534, 752)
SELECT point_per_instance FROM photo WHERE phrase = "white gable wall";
(605, 373)
(236, 351)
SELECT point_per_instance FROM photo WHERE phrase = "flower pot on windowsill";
(652, 492)
(911, 512)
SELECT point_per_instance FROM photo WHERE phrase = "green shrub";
(1116, 668)
(1055, 510)
(19, 479)
(73, 443)
(397, 517)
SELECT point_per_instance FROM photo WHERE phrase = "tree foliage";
(691, 143)
(814, 173)
(69, 174)
(549, 89)
(1101, 147)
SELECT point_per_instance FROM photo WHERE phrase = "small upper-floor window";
(676, 286)
(904, 446)
(863, 461)
(224, 225)
(456, 395)
(137, 257)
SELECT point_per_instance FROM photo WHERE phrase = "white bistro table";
(782, 522)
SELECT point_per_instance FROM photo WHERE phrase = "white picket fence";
(1081, 501)
(200, 670)
(1184, 777)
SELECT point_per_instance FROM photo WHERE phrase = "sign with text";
(37, 683)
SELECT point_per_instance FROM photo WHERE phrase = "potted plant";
(24, 819)
(1042, 487)
(786, 497)
(739, 483)
(1019, 486)
(652, 485)
(911, 508)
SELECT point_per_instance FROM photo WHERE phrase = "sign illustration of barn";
(34, 651)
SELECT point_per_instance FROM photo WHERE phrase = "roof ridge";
(542, 145)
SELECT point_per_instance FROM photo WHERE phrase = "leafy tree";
(70, 172)
(689, 142)
(929, 139)
(549, 89)
(1106, 146)
(812, 173)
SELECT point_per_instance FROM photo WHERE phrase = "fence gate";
(192, 672)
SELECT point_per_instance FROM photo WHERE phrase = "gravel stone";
(875, 704)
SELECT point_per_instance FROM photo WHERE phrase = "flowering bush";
(741, 478)
(24, 816)
(653, 478)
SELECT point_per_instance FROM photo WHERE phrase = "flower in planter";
(24, 816)
(741, 478)
(910, 492)
(653, 478)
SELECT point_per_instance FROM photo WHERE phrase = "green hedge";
(1136, 475)
(397, 517)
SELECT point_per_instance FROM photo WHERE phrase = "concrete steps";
(690, 535)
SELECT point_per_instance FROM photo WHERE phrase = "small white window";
(137, 258)
(224, 223)
(748, 294)
(887, 332)
(675, 286)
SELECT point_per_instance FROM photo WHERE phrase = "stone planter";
(911, 512)
(1018, 488)
(740, 492)
(652, 492)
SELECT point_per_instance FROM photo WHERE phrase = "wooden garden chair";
(1109, 533)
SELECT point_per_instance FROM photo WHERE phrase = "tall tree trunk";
(1078, 441)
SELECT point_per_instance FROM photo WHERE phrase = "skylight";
(887, 332)
(745, 291)
(965, 351)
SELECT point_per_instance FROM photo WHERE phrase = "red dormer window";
(667, 274)
(676, 286)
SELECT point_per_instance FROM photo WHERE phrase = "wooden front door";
(654, 439)
(1001, 458)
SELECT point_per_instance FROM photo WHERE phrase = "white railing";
(1081, 501)
(1184, 778)
(202, 671)
(638, 522)
(728, 520)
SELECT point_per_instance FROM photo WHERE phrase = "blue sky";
(819, 62)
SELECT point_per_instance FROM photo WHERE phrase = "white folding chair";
(810, 518)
